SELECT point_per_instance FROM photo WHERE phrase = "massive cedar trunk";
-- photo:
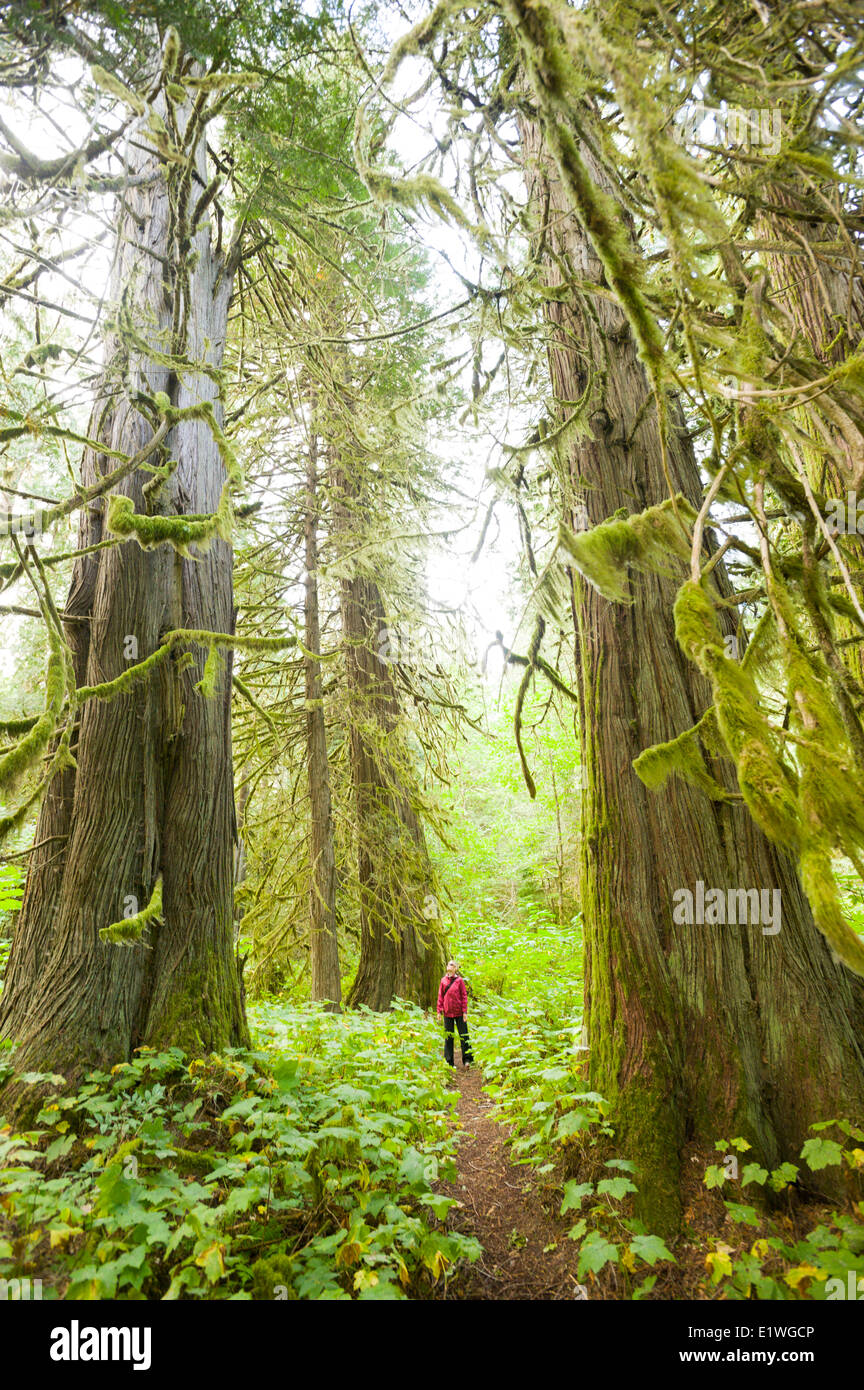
(814, 278)
(324, 946)
(695, 1032)
(153, 790)
(399, 952)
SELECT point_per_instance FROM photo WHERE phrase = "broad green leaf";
(753, 1173)
(595, 1252)
(651, 1249)
(821, 1153)
(574, 1193)
(616, 1187)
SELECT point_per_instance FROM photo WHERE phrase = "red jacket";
(456, 1002)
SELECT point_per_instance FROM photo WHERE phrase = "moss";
(24, 755)
(270, 1276)
(182, 531)
(171, 51)
(817, 811)
(18, 726)
(129, 930)
(203, 1013)
(763, 649)
(682, 755)
(115, 88)
(121, 684)
(769, 791)
(212, 667)
(818, 882)
(151, 531)
(768, 786)
(224, 81)
(647, 541)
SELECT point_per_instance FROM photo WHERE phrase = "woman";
(453, 1004)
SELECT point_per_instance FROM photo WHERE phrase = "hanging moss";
(768, 786)
(129, 930)
(184, 530)
(818, 881)
(212, 667)
(18, 726)
(224, 81)
(682, 755)
(647, 541)
(115, 88)
(29, 749)
(171, 52)
(831, 794)
(817, 813)
(62, 759)
(763, 656)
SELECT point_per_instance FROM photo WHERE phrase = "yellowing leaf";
(61, 1234)
(212, 1261)
(719, 1263)
(436, 1263)
(794, 1276)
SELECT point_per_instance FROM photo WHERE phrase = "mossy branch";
(648, 541)
(129, 930)
(29, 749)
(682, 755)
(181, 531)
(107, 690)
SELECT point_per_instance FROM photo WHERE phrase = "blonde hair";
(453, 963)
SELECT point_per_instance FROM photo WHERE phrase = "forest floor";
(526, 1252)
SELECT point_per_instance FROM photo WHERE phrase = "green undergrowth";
(757, 1238)
(792, 1252)
(528, 1038)
(532, 959)
(533, 1062)
(11, 893)
(301, 1170)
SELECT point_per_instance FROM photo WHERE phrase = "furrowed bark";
(153, 789)
(399, 951)
(695, 1032)
(324, 946)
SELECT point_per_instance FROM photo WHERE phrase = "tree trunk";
(153, 790)
(695, 1032)
(399, 950)
(324, 945)
(823, 293)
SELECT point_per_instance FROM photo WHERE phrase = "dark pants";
(465, 1045)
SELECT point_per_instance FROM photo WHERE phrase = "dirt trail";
(526, 1252)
